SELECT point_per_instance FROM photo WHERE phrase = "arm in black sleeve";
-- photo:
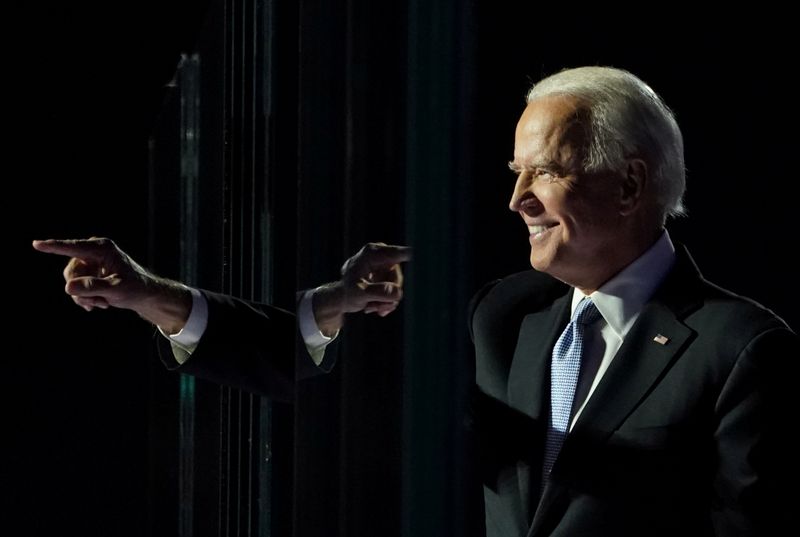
(756, 476)
(249, 346)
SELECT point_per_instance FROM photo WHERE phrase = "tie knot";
(586, 312)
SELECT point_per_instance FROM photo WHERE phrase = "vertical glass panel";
(189, 148)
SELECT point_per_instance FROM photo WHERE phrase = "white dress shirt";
(619, 300)
(185, 341)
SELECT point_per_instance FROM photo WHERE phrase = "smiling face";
(575, 220)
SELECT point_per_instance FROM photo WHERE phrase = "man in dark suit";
(223, 338)
(665, 411)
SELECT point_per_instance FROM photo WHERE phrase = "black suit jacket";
(249, 346)
(690, 438)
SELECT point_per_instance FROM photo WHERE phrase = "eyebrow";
(548, 165)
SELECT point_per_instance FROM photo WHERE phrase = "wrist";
(328, 307)
(167, 304)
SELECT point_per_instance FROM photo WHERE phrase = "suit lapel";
(639, 365)
(528, 379)
(529, 383)
(655, 341)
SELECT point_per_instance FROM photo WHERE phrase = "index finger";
(383, 255)
(82, 248)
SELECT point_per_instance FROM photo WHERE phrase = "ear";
(633, 185)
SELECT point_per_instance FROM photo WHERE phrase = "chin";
(541, 265)
(549, 261)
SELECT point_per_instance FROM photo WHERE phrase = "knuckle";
(103, 242)
(376, 246)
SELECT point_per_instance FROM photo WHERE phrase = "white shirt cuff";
(314, 339)
(185, 341)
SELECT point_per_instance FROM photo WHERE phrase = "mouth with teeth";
(539, 231)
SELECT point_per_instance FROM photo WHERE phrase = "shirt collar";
(621, 299)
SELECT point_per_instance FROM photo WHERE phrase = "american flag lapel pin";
(661, 340)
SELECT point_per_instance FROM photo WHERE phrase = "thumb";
(381, 292)
(93, 286)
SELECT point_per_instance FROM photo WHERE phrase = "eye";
(547, 176)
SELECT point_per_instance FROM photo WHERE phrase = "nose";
(522, 198)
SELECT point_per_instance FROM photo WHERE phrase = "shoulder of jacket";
(514, 296)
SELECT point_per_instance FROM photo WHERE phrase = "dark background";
(83, 91)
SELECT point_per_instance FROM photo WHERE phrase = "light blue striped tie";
(564, 370)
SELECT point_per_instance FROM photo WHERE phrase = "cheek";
(553, 202)
(591, 224)
(587, 211)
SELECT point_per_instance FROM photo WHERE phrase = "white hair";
(626, 119)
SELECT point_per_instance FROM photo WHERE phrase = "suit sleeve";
(755, 438)
(249, 346)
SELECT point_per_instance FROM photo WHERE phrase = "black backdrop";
(84, 86)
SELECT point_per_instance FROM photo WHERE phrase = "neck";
(634, 249)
